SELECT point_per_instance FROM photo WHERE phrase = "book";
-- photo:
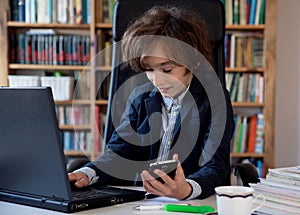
(232, 50)
(72, 11)
(234, 136)
(243, 12)
(280, 184)
(257, 12)
(252, 134)
(21, 11)
(235, 12)
(252, 12)
(234, 90)
(292, 173)
(262, 13)
(78, 11)
(281, 190)
(229, 12)
(62, 9)
(28, 11)
(14, 10)
(260, 134)
(244, 134)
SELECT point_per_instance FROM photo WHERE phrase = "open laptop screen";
(31, 160)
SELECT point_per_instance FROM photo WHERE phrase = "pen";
(202, 209)
(148, 207)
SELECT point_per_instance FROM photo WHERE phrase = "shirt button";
(175, 113)
(169, 142)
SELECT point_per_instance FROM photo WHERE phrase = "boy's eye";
(167, 70)
(148, 70)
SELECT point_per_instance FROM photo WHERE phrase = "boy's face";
(170, 79)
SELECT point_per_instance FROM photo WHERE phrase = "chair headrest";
(212, 11)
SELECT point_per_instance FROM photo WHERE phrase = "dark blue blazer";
(202, 137)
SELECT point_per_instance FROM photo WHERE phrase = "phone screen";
(169, 167)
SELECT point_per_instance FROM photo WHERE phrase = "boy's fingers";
(72, 177)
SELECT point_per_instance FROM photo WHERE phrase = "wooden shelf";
(245, 155)
(73, 102)
(13, 24)
(103, 68)
(246, 27)
(243, 69)
(77, 153)
(268, 32)
(46, 67)
(75, 127)
(247, 104)
(104, 25)
(101, 102)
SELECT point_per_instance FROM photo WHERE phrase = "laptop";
(32, 163)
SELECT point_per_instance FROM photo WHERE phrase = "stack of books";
(281, 189)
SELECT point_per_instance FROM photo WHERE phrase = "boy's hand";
(80, 179)
(178, 188)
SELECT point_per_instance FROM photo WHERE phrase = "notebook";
(32, 163)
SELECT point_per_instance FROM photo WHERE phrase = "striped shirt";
(170, 112)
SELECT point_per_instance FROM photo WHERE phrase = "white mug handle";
(261, 204)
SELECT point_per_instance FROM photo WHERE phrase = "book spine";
(262, 13)
(78, 11)
(236, 12)
(21, 45)
(229, 12)
(252, 12)
(54, 11)
(72, 7)
(13, 49)
(252, 134)
(260, 129)
(84, 11)
(14, 14)
(27, 11)
(28, 49)
(257, 12)
(33, 11)
(21, 10)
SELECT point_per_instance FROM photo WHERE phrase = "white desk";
(124, 209)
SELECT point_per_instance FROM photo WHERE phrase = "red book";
(252, 134)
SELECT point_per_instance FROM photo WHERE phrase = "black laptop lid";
(31, 157)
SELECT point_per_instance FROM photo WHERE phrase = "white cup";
(236, 200)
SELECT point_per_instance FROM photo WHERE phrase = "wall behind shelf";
(287, 96)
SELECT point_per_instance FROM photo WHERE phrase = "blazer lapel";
(191, 100)
(154, 114)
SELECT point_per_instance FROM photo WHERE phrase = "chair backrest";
(125, 12)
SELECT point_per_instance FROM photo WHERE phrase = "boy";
(172, 116)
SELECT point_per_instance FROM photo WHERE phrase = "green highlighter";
(202, 209)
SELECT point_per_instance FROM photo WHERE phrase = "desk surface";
(124, 209)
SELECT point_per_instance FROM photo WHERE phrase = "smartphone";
(169, 167)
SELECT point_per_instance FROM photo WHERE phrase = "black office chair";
(247, 173)
(125, 12)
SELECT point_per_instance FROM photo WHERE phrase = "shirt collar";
(168, 102)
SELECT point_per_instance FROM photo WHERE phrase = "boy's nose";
(158, 78)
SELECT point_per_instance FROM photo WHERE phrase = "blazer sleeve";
(120, 162)
(216, 172)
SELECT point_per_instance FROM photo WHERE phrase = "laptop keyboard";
(92, 193)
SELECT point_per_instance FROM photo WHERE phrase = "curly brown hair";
(166, 22)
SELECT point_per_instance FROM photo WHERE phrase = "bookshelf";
(265, 70)
(76, 115)
(99, 34)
